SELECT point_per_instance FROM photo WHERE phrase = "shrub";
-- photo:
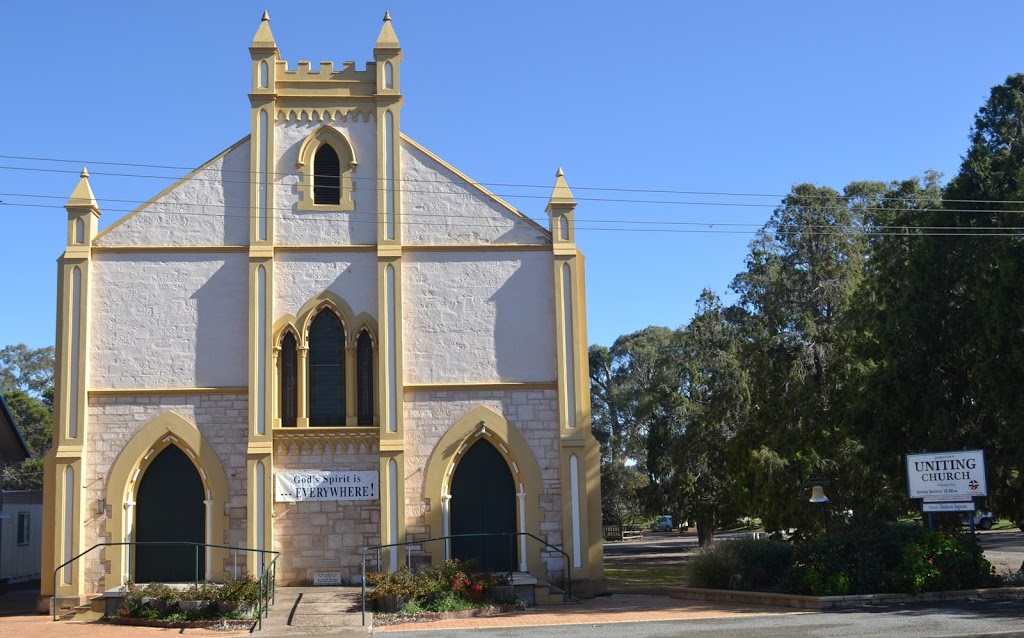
(760, 562)
(740, 564)
(940, 561)
(712, 567)
(895, 558)
(401, 583)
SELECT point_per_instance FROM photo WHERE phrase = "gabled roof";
(12, 446)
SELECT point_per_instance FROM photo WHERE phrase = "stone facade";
(116, 419)
(187, 323)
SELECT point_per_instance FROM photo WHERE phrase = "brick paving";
(619, 608)
(18, 619)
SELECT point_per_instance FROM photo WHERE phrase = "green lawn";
(620, 579)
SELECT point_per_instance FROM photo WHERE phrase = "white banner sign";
(947, 474)
(295, 486)
(947, 507)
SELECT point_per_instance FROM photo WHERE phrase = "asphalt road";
(994, 618)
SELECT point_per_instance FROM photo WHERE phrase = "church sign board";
(299, 486)
(947, 475)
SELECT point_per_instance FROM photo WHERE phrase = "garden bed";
(798, 601)
(222, 624)
(382, 619)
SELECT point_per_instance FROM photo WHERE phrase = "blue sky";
(736, 97)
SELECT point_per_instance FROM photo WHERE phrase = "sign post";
(947, 481)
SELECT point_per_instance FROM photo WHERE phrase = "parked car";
(982, 520)
(664, 524)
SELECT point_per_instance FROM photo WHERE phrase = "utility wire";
(784, 229)
(660, 191)
(155, 207)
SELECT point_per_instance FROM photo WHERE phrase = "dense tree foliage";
(26, 383)
(869, 323)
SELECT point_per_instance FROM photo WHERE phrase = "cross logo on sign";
(973, 485)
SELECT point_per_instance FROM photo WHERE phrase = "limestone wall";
(169, 321)
(534, 413)
(298, 277)
(113, 421)
(440, 207)
(210, 208)
(295, 227)
(478, 317)
(324, 535)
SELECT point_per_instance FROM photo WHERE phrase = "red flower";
(931, 561)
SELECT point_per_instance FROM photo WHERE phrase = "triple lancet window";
(336, 370)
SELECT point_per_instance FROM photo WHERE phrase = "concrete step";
(94, 609)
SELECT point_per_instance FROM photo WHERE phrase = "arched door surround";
(123, 482)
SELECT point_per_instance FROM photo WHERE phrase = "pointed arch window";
(325, 367)
(326, 176)
(364, 378)
(327, 163)
(289, 380)
(326, 370)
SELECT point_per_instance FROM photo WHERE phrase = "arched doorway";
(169, 507)
(484, 502)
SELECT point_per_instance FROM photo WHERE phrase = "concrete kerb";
(832, 602)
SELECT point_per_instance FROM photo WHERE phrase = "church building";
(323, 339)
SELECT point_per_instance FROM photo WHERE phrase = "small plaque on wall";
(326, 578)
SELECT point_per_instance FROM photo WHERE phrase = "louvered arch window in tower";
(326, 370)
(326, 176)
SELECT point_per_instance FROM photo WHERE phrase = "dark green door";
(484, 502)
(169, 507)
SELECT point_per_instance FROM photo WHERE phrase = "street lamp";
(817, 486)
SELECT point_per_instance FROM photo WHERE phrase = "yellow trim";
(326, 248)
(474, 248)
(169, 392)
(177, 183)
(299, 441)
(390, 440)
(168, 249)
(347, 163)
(387, 534)
(481, 387)
(166, 429)
(528, 478)
(471, 183)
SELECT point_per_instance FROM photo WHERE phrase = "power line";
(545, 197)
(784, 229)
(658, 191)
(318, 214)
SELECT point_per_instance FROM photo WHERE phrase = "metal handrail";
(267, 579)
(565, 557)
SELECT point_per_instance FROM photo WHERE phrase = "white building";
(323, 339)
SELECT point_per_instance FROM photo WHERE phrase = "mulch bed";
(381, 619)
(224, 624)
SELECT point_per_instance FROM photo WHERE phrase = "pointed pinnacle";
(559, 172)
(264, 38)
(82, 196)
(387, 38)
